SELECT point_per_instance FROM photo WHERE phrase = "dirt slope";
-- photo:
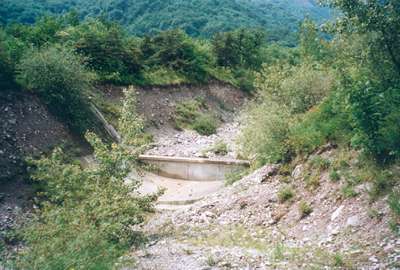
(245, 226)
(157, 103)
(27, 128)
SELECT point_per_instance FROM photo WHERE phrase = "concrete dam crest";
(185, 180)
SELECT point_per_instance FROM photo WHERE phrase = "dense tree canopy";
(197, 18)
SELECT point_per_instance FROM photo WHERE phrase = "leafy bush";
(10, 50)
(348, 191)
(375, 111)
(205, 124)
(383, 181)
(115, 58)
(312, 180)
(297, 87)
(264, 135)
(60, 79)
(394, 203)
(277, 125)
(240, 48)
(285, 193)
(130, 124)
(326, 122)
(43, 33)
(6, 70)
(86, 220)
(176, 51)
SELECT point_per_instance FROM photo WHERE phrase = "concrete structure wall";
(194, 169)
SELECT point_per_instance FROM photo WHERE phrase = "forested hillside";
(280, 19)
(320, 128)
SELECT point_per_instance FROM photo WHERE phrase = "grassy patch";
(163, 76)
(312, 181)
(235, 175)
(205, 124)
(261, 240)
(334, 175)
(394, 203)
(211, 261)
(285, 193)
(320, 163)
(193, 114)
(348, 191)
(305, 209)
(219, 148)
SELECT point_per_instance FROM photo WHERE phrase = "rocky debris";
(191, 144)
(298, 171)
(337, 213)
(252, 230)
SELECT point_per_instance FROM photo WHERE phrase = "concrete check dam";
(185, 180)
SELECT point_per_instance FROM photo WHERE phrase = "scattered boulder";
(353, 221)
(337, 213)
(268, 171)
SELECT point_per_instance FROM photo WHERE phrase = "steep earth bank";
(157, 106)
(26, 129)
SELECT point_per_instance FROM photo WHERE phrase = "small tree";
(177, 51)
(109, 51)
(240, 48)
(131, 124)
(61, 80)
(86, 219)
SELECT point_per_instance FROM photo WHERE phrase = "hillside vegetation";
(340, 92)
(280, 19)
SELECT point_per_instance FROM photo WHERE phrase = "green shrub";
(334, 175)
(394, 203)
(61, 80)
(383, 181)
(110, 53)
(348, 191)
(131, 125)
(6, 66)
(240, 48)
(205, 124)
(374, 106)
(305, 209)
(312, 181)
(186, 112)
(320, 163)
(285, 193)
(219, 148)
(264, 133)
(175, 50)
(86, 218)
(338, 260)
(163, 76)
(325, 122)
(189, 114)
(299, 88)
